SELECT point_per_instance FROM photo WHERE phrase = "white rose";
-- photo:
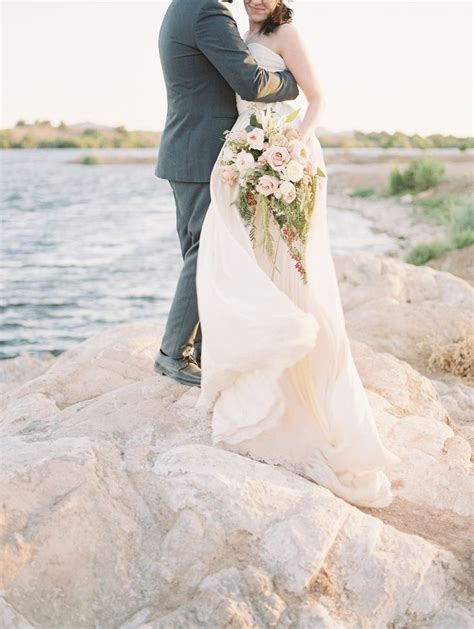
(288, 191)
(294, 170)
(244, 161)
(228, 154)
(255, 139)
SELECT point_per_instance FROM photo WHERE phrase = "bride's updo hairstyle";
(281, 14)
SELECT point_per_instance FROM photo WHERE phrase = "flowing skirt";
(278, 377)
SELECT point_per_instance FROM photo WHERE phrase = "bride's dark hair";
(281, 14)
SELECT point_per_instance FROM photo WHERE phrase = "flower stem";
(274, 259)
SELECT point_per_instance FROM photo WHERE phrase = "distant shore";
(42, 134)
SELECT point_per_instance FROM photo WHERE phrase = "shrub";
(5, 139)
(28, 141)
(463, 239)
(421, 254)
(421, 174)
(91, 160)
(60, 143)
(396, 184)
(461, 221)
(462, 214)
(362, 192)
(456, 211)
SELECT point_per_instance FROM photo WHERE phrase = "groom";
(205, 62)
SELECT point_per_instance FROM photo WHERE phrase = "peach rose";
(255, 139)
(309, 168)
(291, 133)
(279, 140)
(229, 175)
(277, 157)
(267, 185)
(299, 151)
(288, 191)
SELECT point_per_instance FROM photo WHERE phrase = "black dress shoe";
(184, 370)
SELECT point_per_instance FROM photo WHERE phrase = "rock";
(403, 309)
(435, 459)
(459, 262)
(102, 363)
(14, 371)
(406, 199)
(119, 512)
(458, 400)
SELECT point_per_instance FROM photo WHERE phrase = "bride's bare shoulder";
(286, 36)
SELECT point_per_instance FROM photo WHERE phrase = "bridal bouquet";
(275, 175)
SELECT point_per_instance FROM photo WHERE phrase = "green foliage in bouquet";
(289, 202)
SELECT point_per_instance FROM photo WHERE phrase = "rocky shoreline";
(110, 485)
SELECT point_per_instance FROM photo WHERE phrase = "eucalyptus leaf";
(292, 116)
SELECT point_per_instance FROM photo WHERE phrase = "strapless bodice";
(268, 59)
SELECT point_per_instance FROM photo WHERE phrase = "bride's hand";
(304, 136)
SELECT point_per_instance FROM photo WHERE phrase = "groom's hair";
(281, 15)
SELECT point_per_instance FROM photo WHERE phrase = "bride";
(278, 376)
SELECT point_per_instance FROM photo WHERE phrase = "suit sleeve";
(218, 38)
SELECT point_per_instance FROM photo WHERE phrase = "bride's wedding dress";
(278, 377)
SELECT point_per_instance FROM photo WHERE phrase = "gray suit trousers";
(182, 326)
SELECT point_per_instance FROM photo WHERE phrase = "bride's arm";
(298, 61)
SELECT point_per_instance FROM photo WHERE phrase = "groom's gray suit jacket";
(204, 62)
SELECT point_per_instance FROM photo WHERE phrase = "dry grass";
(456, 358)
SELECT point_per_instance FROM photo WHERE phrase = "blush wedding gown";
(278, 378)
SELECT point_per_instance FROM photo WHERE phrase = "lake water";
(86, 247)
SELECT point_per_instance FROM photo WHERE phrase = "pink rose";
(255, 139)
(277, 157)
(267, 185)
(299, 151)
(229, 175)
(288, 191)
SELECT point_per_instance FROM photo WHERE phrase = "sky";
(392, 66)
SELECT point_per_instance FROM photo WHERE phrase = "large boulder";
(406, 310)
(119, 512)
(459, 262)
